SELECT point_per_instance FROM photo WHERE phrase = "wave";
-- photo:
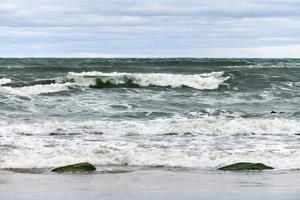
(31, 83)
(113, 154)
(36, 89)
(4, 81)
(202, 126)
(203, 143)
(205, 81)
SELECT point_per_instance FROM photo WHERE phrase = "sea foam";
(205, 81)
(36, 89)
(4, 81)
(204, 126)
(206, 142)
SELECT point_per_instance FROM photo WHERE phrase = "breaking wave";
(205, 81)
(4, 81)
(201, 143)
(36, 89)
(204, 126)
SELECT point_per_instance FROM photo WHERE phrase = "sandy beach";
(151, 184)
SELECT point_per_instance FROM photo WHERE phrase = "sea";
(189, 113)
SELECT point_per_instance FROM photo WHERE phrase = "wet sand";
(151, 184)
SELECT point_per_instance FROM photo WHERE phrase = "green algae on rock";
(75, 168)
(245, 166)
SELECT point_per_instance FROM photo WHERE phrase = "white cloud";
(289, 51)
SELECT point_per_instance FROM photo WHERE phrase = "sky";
(156, 28)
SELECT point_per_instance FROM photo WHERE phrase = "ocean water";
(194, 113)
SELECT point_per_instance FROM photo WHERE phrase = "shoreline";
(151, 184)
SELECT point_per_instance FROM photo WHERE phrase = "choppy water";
(199, 113)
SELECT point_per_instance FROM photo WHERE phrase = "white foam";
(205, 125)
(36, 89)
(118, 155)
(214, 142)
(205, 81)
(4, 81)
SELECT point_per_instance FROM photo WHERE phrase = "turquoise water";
(183, 112)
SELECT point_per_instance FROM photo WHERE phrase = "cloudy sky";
(156, 28)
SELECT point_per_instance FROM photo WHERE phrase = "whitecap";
(4, 81)
(36, 89)
(214, 142)
(205, 81)
(207, 125)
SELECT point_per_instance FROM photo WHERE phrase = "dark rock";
(273, 112)
(79, 167)
(245, 166)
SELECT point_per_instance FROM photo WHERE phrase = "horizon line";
(191, 57)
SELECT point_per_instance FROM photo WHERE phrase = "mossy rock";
(76, 168)
(245, 166)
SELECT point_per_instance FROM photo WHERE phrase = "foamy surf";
(36, 89)
(4, 81)
(114, 154)
(202, 126)
(202, 143)
(205, 81)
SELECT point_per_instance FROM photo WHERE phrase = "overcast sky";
(144, 28)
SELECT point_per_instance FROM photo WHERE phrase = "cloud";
(147, 28)
(257, 52)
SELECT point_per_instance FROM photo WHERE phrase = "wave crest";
(4, 81)
(205, 81)
(36, 89)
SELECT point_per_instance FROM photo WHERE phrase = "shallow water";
(199, 113)
(154, 184)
